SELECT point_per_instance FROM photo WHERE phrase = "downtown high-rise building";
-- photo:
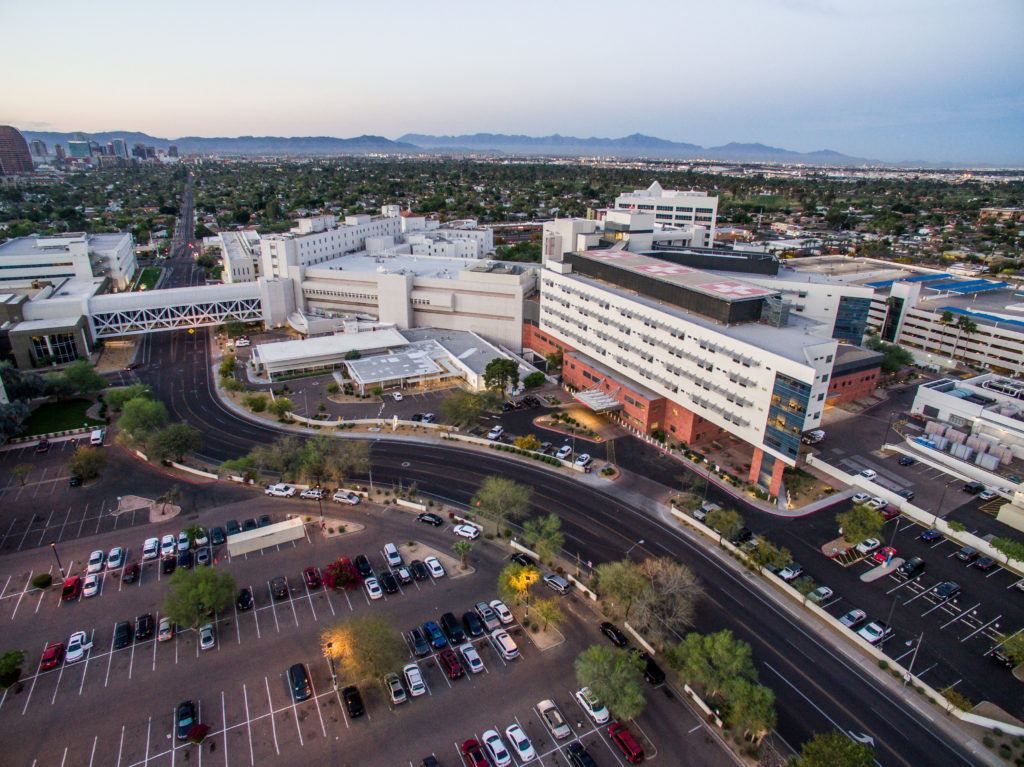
(15, 158)
(38, 148)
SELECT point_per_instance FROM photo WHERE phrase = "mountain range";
(628, 147)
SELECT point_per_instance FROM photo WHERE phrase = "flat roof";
(407, 363)
(298, 351)
(437, 267)
(698, 280)
(467, 347)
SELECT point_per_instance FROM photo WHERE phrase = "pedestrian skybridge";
(120, 314)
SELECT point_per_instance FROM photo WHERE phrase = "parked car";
(579, 756)
(392, 555)
(452, 629)
(185, 559)
(434, 566)
(521, 744)
(496, 749)
(884, 555)
(144, 626)
(471, 658)
(473, 625)
(166, 631)
(418, 640)
(298, 682)
(311, 576)
(626, 743)
(72, 588)
(122, 635)
(853, 618)
(200, 539)
(203, 557)
(78, 645)
(264, 521)
(653, 673)
(866, 546)
(472, 754)
(150, 549)
(467, 531)
(553, 719)
(280, 490)
(388, 582)
(984, 563)
(450, 663)
(131, 572)
(906, 493)
(434, 635)
(419, 570)
(184, 542)
(206, 637)
(373, 589)
(487, 616)
(906, 460)
(889, 511)
(429, 518)
(912, 567)
(167, 545)
(987, 495)
(393, 685)
(522, 559)
(363, 566)
(506, 647)
(583, 460)
(496, 432)
(502, 611)
(91, 586)
(414, 680)
(947, 590)
(614, 634)
(232, 527)
(43, 446)
(244, 600)
(967, 554)
(557, 583)
(791, 572)
(96, 562)
(346, 496)
(312, 494)
(353, 701)
(869, 473)
(168, 565)
(53, 656)
(973, 488)
(929, 535)
(876, 503)
(821, 594)
(592, 705)
(185, 718)
(279, 588)
(217, 537)
(563, 453)
(874, 632)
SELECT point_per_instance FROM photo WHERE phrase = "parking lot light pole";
(53, 548)
(638, 543)
(910, 670)
(330, 659)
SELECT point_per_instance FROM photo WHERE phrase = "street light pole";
(638, 543)
(910, 670)
(53, 548)
(330, 659)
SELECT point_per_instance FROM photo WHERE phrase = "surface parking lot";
(116, 706)
(949, 641)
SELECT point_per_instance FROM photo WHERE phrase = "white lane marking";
(273, 725)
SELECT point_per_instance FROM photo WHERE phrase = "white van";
(392, 555)
(96, 438)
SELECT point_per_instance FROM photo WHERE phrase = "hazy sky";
(886, 79)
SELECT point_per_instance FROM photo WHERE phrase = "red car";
(889, 512)
(52, 656)
(623, 738)
(450, 663)
(883, 554)
(473, 755)
(72, 588)
(312, 577)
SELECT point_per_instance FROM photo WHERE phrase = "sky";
(893, 80)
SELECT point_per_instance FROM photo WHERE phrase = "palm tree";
(964, 325)
(462, 548)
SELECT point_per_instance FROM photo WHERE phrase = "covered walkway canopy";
(598, 401)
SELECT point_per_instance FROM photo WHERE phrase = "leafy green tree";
(615, 676)
(82, 377)
(365, 648)
(87, 462)
(726, 522)
(115, 398)
(193, 532)
(750, 708)
(12, 419)
(534, 380)
(767, 554)
(227, 366)
(859, 523)
(501, 373)
(234, 328)
(621, 583)
(462, 548)
(280, 407)
(245, 466)
(501, 500)
(257, 403)
(514, 582)
(547, 611)
(894, 357)
(527, 442)
(712, 660)
(1011, 547)
(544, 535)
(554, 360)
(196, 594)
(464, 408)
(174, 441)
(834, 749)
(10, 667)
(1013, 647)
(141, 416)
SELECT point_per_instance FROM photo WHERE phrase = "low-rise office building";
(55, 258)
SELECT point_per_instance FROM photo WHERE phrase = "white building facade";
(79, 256)
(671, 207)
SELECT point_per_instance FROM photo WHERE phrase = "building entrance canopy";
(598, 401)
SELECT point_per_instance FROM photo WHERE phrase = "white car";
(520, 743)
(414, 680)
(346, 496)
(861, 498)
(508, 648)
(240, 342)
(504, 614)
(869, 473)
(592, 705)
(987, 495)
(184, 542)
(563, 452)
(201, 538)
(874, 632)
(314, 494)
(583, 459)
(96, 560)
(496, 432)
(496, 749)
(78, 645)
(167, 545)
(877, 503)
(434, 566)
(206, 638)
(398, 396)
(166, 631)
(868, 545)
(115, 558)
(466, 531)
(791, 572)
(280, 490)
(373, 588)
(91, 586)
(821, 594)
(150, 549)
(553, 719)
(472, 657)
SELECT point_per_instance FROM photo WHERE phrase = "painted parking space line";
(291, 601)
(224, 726)
(110, 658)
(920, 594)
(21, 595)
(248, 726)
(35, 677)
(273, 725)
(980, 628)
(273, 608)
(316, 702)
(956, 618)
(309, 596)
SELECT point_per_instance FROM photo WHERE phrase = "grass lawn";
(59, 416)
(147, 279)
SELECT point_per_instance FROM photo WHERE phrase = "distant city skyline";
(932, 80)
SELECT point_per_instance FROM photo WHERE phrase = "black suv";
(473, 625)
(122, 635)
(353, 701)
(363, 566)
(388, 582)
(614, 634)
(298, 681)
(910, 568)
(244, 600)
(652, 671)
(578, 756)
(419, 570)
(279, 588)
(451, 628)
(144, 627)
(429, 519)
(232, 527)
